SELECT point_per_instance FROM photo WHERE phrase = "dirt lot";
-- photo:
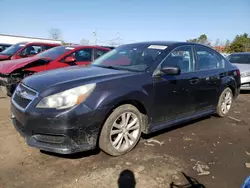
(218, 146)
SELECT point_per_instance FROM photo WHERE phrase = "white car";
(242, 61)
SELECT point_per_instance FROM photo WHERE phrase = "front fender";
(122, 94)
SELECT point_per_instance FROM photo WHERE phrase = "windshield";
(13, 49)
(239, 58)
(134, 57)
(55, 52)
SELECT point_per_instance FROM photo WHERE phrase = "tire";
(219, 111)
(116, 122)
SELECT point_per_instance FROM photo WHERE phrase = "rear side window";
(208, 59)
(32, 50)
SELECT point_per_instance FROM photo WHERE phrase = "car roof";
(167, 43)
(240, 53)
(5, 44)
(38, 42)
(48, 43)
(87, 46)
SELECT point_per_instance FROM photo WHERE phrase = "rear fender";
(229, 81)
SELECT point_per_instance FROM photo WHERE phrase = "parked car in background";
(225, 54)
(242, 61)
(133, 89)
(25, 49)
(13, 71)
(3, 46)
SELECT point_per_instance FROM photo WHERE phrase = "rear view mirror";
(171, 70)
(70, 59)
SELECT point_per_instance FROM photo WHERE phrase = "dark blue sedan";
(133, 89)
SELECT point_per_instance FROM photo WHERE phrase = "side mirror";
(70, 59)
(171, 70)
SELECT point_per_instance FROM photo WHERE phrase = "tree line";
(240, 43)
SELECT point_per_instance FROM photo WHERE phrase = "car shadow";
(75, 155)
(126, 179)
(174, 127)
(192, 183)
(245, 92)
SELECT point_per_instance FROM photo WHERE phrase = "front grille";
(22, 102)
(23, 96)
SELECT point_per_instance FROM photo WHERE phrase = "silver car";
(242, 61)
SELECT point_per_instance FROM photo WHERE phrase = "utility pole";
(94, 33)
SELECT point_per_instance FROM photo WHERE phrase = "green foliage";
(241, 43)
(202, 39)
(227, 46)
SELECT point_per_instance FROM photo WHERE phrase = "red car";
(13, 71)
(25, 49)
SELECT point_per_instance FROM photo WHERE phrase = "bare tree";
(84, 42)
(55, 33)
(217, 42)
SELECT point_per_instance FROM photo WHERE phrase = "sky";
(130, 20)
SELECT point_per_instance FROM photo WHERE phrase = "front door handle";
(194, 81)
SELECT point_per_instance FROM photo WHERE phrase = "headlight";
(68, 98)
(245, 74)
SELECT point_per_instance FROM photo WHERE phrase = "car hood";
(243, 67)
(4, 57)
(72, 77)
(9, 66)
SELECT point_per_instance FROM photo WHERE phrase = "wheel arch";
(231, 83)
(136, 103)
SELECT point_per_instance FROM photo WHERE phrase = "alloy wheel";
(125, 131)
(226, 102)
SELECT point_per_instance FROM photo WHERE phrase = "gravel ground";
(210, 151)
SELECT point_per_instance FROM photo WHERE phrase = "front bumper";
(245, 83)
(63, 132)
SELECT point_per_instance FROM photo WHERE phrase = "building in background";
(13, 39)
(219, 48)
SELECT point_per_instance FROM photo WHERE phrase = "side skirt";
(158, 127)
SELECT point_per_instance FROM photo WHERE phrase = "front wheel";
(121, 131)
(225, 102)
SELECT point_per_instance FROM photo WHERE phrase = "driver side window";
(181, 57)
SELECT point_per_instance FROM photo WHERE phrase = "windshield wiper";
(108, 67)
(117, 68)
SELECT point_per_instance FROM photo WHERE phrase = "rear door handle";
(194, 81)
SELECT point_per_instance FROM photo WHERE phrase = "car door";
(210, 68)
(173, 94)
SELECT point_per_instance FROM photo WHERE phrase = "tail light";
(238, 72)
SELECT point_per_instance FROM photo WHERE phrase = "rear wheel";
(225, 102)
(121, 131)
